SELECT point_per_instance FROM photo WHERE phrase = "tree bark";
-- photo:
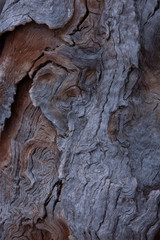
(79, 120)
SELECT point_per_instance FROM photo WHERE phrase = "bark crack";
(10, 5)
(59, 190)
(105, 213)
(151, 15)
(81, 22)
(58, 184)
(13, 123)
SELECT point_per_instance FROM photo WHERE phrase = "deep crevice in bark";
(157, 236)
(40, 66)
(59, 189)
(13, 123)
(2, 42)
(83, 19)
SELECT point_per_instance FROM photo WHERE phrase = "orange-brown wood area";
(29, 156)
(22, 48)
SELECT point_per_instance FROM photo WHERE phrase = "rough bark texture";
(80, 120)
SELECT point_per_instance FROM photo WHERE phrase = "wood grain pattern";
(79, 120)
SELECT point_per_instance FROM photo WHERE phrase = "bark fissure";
(156, 8)
(82, 21)
(59, 190)
(13, 123)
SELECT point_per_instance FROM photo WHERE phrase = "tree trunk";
(80, 120)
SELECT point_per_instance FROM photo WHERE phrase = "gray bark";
(79, 120)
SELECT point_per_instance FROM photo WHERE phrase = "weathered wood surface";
(79, 120)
